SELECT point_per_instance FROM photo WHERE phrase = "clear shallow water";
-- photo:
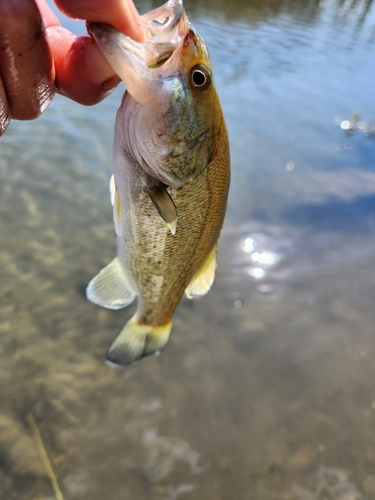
(266, 390)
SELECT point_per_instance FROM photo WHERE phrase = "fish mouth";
(164, 30)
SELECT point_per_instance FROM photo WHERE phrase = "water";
(266, 390)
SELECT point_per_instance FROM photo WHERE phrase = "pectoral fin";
(203, 279)
(110, 288)
(164, 205)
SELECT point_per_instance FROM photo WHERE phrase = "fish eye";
(200, 77)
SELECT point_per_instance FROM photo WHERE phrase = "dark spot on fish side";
(20, 54)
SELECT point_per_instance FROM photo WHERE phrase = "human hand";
(39, 57)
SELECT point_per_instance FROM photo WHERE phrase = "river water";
(266, 390)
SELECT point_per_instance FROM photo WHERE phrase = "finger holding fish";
(84, 74)
(40, 57)
(121, 14)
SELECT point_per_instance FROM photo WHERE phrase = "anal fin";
(110, 288)
(164, 205)
(203, 279)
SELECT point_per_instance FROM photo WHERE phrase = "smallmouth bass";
(170, 177)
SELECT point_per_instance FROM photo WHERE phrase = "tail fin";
(136, 341)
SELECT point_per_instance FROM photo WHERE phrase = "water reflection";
(351, 12)
(340, 216)
(249, 245)
(265, 258)
(355, 123)
(262, 258)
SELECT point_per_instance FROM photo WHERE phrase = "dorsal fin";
(164, 205)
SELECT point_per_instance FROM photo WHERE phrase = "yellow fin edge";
(135, 341)
(204, 278)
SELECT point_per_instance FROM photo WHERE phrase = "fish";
(171, 175)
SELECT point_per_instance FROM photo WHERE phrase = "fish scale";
(154, 251)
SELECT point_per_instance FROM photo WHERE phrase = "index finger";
(81, 71)
(121, 14)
